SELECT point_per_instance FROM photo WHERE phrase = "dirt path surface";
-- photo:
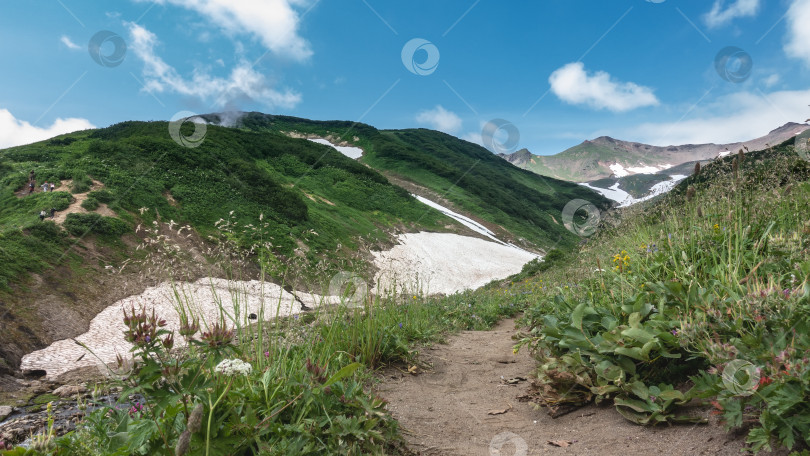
(446, 410)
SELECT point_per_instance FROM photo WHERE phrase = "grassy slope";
(468, 175)
(232, 171)
(692, 284)
(244, 172)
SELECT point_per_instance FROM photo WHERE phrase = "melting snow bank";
(445, 263)
(351, 152)
(468, 222)
(105, 338)
(624, 199)
(423, 262)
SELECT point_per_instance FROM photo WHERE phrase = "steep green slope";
(297, 185)
(474, 180)
(310, 202)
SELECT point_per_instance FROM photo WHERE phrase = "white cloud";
(772, 80)
(15, 132)
(69, 43)
(473, 137)
(572, 84)
(440, 119)
(721, 14)
(738, 117)
(243, 80)
(274, 22)
(798, 36)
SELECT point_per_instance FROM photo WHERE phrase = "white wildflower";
(231, 367)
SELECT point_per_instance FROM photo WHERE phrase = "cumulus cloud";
(15, 132)
(274, 22)
(69, 43)
(798, 36)
(737, 117)
(440, 119)
(721, 14)
(572, 84)
(243, 81)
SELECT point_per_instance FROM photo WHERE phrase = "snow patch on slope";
(466, 221)
(351, 152)
(621, 171)
(429, 263)
(625, 199)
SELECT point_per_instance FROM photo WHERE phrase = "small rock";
(69, 390)
(5, 411)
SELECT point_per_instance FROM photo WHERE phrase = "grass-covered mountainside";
(517, 203)
(702, 295)
(308, 201)
(592, 159)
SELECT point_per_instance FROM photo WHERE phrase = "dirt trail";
(445, 411)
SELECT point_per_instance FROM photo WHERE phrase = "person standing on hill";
(42, 215)
(31, 176)
(53, 187)
(53, 211)
(31, 187)
(45, 186)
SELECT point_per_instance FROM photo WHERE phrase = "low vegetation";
(297, 385)
(703, 296)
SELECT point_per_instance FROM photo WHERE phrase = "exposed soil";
(449, 410)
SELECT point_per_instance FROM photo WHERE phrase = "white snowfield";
(105, 338)
(424, 263)
(624, 199)
(429, 263)
(621, 171)
(466, 221)
(351, 152)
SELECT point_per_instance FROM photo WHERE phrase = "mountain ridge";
(607, 157)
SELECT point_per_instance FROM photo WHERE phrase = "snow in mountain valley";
(625, 199)
(422, 262)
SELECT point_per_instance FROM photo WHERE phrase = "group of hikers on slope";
(46, 186)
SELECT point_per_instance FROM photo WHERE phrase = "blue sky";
(561, 71)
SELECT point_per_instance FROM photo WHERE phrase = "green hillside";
(699, 298)
(474, 180)
(309, 202)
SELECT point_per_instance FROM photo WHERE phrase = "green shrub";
(103, 196)
(91, 204)
(81, 224)
(81, 183)
(45, 230)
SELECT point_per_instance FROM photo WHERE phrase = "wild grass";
(292, 384)
(704, 295)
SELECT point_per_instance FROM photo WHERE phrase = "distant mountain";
(606, 157)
